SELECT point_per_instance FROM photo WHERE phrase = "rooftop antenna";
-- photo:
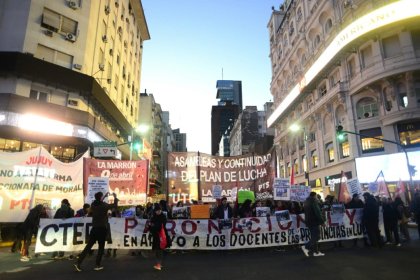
(222, 73)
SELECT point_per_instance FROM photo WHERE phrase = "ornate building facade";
(349, 63)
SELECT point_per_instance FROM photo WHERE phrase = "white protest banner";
(299, 193)
(130, 233)
(97, 184)
(354, 187)
(217, 191)
(262, 211)
(35, 177)
(281, 188)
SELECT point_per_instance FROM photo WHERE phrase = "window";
(344, 147)
(322, 90)
(54, 56)
(291, 29)
(415, 36)
(330, 152)
(351, 64)
(366, 57)
(65, 154)
(58, 23)
(38, 95)
(391, 46)
(409, 134)
(335, 78)
(29, 145)
(328, 26)
(299, 14)
(296, 166)
(402, 93)
(116, 82)
(118, 58)
(366, 108)
(370, 144)
(9, 145)
(314, 157)
(317, 40)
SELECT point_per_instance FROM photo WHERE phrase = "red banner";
(128, 179)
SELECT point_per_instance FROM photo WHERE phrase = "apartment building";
(349, 63)
(70, 74)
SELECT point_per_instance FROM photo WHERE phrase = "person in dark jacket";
(83, 212)
(390, 221)
(371, 220)
(223, 211)
(64, 212)
(29, 228)
(99, 213)
(245, 210)
(157, 222)
(313, 220)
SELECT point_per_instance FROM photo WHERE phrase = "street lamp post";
(340, 132)
(294, 128)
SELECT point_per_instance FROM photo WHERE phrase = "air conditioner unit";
(102, 67)
(71, 37)
(74, 5)
(48, 33)
(104, 39)
(107, 9)
(77, 66)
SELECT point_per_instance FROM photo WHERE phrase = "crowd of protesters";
(396, 215)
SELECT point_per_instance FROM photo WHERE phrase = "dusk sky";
(191, 41)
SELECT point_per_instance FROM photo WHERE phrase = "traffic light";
(340, 133)
(137, 144)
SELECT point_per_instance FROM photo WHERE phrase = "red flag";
(343, 195)
(401, 191)
(292, 176)
(383, 190)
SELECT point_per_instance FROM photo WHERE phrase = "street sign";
(105, 149)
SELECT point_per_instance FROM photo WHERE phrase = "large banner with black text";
(255, 232)
(191, 172)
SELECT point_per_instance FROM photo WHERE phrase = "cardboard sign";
(244, 195)
(200, 211)
(97, 184)
(217, 191)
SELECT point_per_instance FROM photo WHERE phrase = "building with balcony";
(154, 141)
(353, 63)
(69, 74)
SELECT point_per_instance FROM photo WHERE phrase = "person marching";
(313, 220)
(157, 223)
(99, 213)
